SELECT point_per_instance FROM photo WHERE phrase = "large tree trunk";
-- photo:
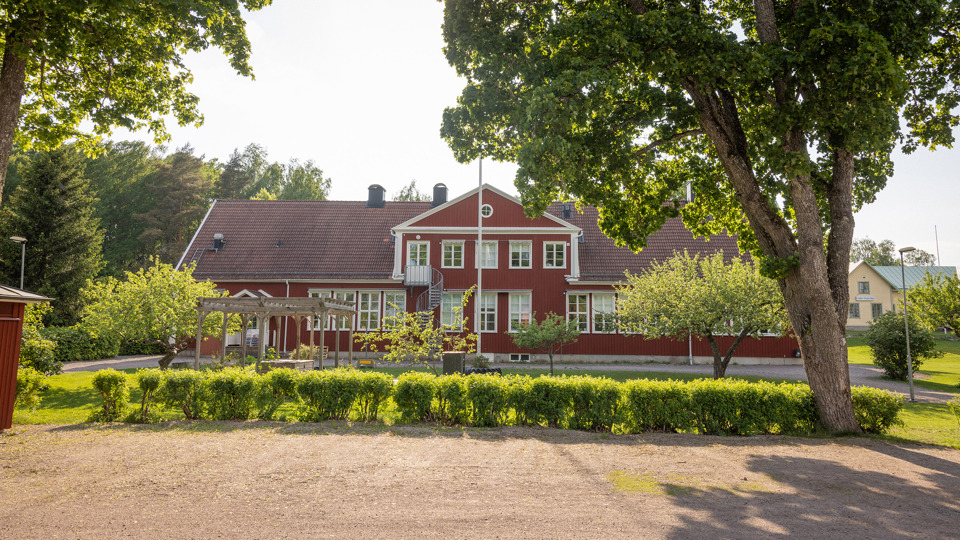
(12, 76)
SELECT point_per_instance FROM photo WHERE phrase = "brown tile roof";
(300, 239)
(321, 240)
(602, 260)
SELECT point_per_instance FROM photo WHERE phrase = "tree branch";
(677, 137)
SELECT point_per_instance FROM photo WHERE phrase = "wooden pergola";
(263, 308)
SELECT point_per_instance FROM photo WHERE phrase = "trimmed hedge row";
(75, 344)
(705, 406)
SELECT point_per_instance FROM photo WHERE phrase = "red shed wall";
(11, 327)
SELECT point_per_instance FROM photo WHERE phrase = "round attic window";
(486, 210)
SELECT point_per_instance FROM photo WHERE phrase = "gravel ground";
(860, 375)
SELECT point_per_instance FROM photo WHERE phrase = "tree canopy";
(410, 192)
(783, 115)
(547, 336)
(936, 301)
(73, 69)
(704, 297)
(885, 253)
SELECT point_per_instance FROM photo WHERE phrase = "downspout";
(285, 319)
(690, 347)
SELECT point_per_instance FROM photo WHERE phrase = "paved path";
(860, 375)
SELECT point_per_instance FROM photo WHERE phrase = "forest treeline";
(86, 217)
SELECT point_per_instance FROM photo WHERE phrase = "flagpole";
(478, 324)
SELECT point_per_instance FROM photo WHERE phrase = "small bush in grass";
(185, 390)
(876, 410)
(453, 407)
(888, 344)
(30, 383)
(327, 394)
(653, 405)
(274, 388)
(488, 399)
(414, 396)
(954, 406)
(149, 381)
(375, 390)
(231, 393)
(112, 386)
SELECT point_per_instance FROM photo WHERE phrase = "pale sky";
(360, 88)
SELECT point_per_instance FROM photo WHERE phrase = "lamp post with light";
(23, 254)
(906, 326)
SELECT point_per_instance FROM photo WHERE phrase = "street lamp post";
(23, 254)
(906, 326)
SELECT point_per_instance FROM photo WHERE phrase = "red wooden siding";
(11, 326)
(506, 213)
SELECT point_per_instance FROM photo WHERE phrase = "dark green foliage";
(275, 387)
(185, 389)
(29, 385)
(149, 381)
(877, 410)
(888, 344)
(53, 209)
(75, 344)
(488, 399)
(231, 393)
(414, 396)
(327, 394)
(35, 351)
(140, 347)
(375, 390)
(112, 385)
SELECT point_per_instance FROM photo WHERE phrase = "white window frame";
(854, 307)
(488, 313)
(368, 310)
(581, 313)
(449, 302)
(863, 287)
(453, 245)
(605, 316)
(486, 210)
(874, 308)
(315, 321)
(546, 254)
(426, 248)
(348, 296)
(480, 254)
(518, 247)
(521, 309)
(398, 298)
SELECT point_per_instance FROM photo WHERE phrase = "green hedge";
(75, 344)
(705, 406)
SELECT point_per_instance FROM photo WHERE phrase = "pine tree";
(53, 209)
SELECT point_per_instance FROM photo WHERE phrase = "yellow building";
(875, 290)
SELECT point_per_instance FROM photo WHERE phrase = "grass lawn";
(942, 374)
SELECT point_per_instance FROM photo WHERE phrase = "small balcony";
(417, 275)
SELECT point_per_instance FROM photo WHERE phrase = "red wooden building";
(424, 255)
(12, 305)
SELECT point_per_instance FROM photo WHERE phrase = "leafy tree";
(411, 193)
(888, 344)
(547, 336)
(264, 195)
(37, 352)
(53, 209)
(885, 254)
(304, 182)
(241, 173)
(782, 115)
(936, 301)
(155, 305)
(77, 66)
(704, 297)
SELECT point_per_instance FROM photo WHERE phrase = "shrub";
(888, 344)
(414, 396)
(129, 348)
(375, 389)
(453, 407)
(954, 406)
(653, 405)
(274, 388)
(876, 410)
(595, 403)
(488, 399)
(302, 352)
(231, 393)
(327, 394)
(519, 398)
(36, 351)
(149, 382)
(112, 385)
(185, 389)
(549, 401)
(75, 344)
(30, 383)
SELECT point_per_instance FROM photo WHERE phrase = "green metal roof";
(912, 274)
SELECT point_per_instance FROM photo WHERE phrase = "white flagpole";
(479, 252)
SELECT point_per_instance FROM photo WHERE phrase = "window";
(519, 309)
(316, 320)
(577, 310)
(604, 314)
(863, 287)
(486, 210)
(349, 296)
(488, 312)
(488, 254)
(369, 311)
(418, 253)
(854, 311)
(453, 255)
(520, 254)
(876, 310)
(394, 302)
(519, 357)
(451, 310)
(554, 254)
